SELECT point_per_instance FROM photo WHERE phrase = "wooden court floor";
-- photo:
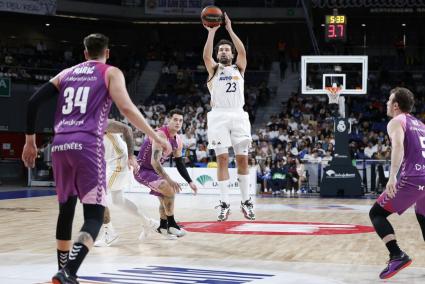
(264, 247)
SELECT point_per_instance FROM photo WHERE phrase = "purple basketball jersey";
(413, 164)
(84, 101)
(144, 157)
(80, 122)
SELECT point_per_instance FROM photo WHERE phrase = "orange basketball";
(211, 16)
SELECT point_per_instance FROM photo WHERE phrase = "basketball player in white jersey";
(120, 161)
(228, 123)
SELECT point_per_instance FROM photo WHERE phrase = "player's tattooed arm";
(156, 163)
(119, 127)
(156, 158)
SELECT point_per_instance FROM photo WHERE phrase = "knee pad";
(221, 150)
(65, 219)
(93, 219)
(378, 211)
(378, 216)
(242, 148)
(421, 221)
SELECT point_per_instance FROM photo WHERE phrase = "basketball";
(212, 16)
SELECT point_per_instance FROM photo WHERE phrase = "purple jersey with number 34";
(78, 153)
(84, 101)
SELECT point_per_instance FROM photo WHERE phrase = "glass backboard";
(347, 72)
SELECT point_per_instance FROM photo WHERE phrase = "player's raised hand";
(29, 153)
(391, 188)
(227, 22)
(211, 29)
(193, 187)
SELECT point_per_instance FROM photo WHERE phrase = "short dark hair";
(225, 41)
(175, 111)
(95, 44)
(404, 98)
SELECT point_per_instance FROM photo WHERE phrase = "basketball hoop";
(333, 94)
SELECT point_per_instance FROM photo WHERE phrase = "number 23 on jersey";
(231, 87)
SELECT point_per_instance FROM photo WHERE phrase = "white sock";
(224, 190)
(244, 186)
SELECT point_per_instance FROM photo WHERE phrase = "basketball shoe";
(108, 237)
(165, 234)
(395, 265)
(247, 208)
(63, 277)
(177, 231)
(224, 211)
(148, 228)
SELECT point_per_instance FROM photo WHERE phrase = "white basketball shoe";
(148, 228)
(247, 208)
(107, 238)
(179, 232)
(224, 211)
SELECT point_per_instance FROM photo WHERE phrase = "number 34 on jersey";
(75, 98)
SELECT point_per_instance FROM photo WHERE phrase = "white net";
(333, 93)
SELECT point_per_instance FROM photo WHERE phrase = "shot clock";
(335, 28)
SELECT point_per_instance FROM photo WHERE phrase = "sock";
(244, 186)
(172, 222)
(224, 190)
(62, 258)
(421, 220)
(163, 224)
(76, 257)
(393, 248)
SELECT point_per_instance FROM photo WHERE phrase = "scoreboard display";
(335, 28)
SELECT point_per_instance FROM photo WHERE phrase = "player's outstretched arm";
(182, 169)
(396, 133)
(120, 96)
(209, 61)
(119, 127)
(240, 48)
(157, 166)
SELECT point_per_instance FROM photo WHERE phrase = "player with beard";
(228, 123)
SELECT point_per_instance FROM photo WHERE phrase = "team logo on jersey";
(225, 78)
(421, 187)
(235, 78)
(275, 228)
